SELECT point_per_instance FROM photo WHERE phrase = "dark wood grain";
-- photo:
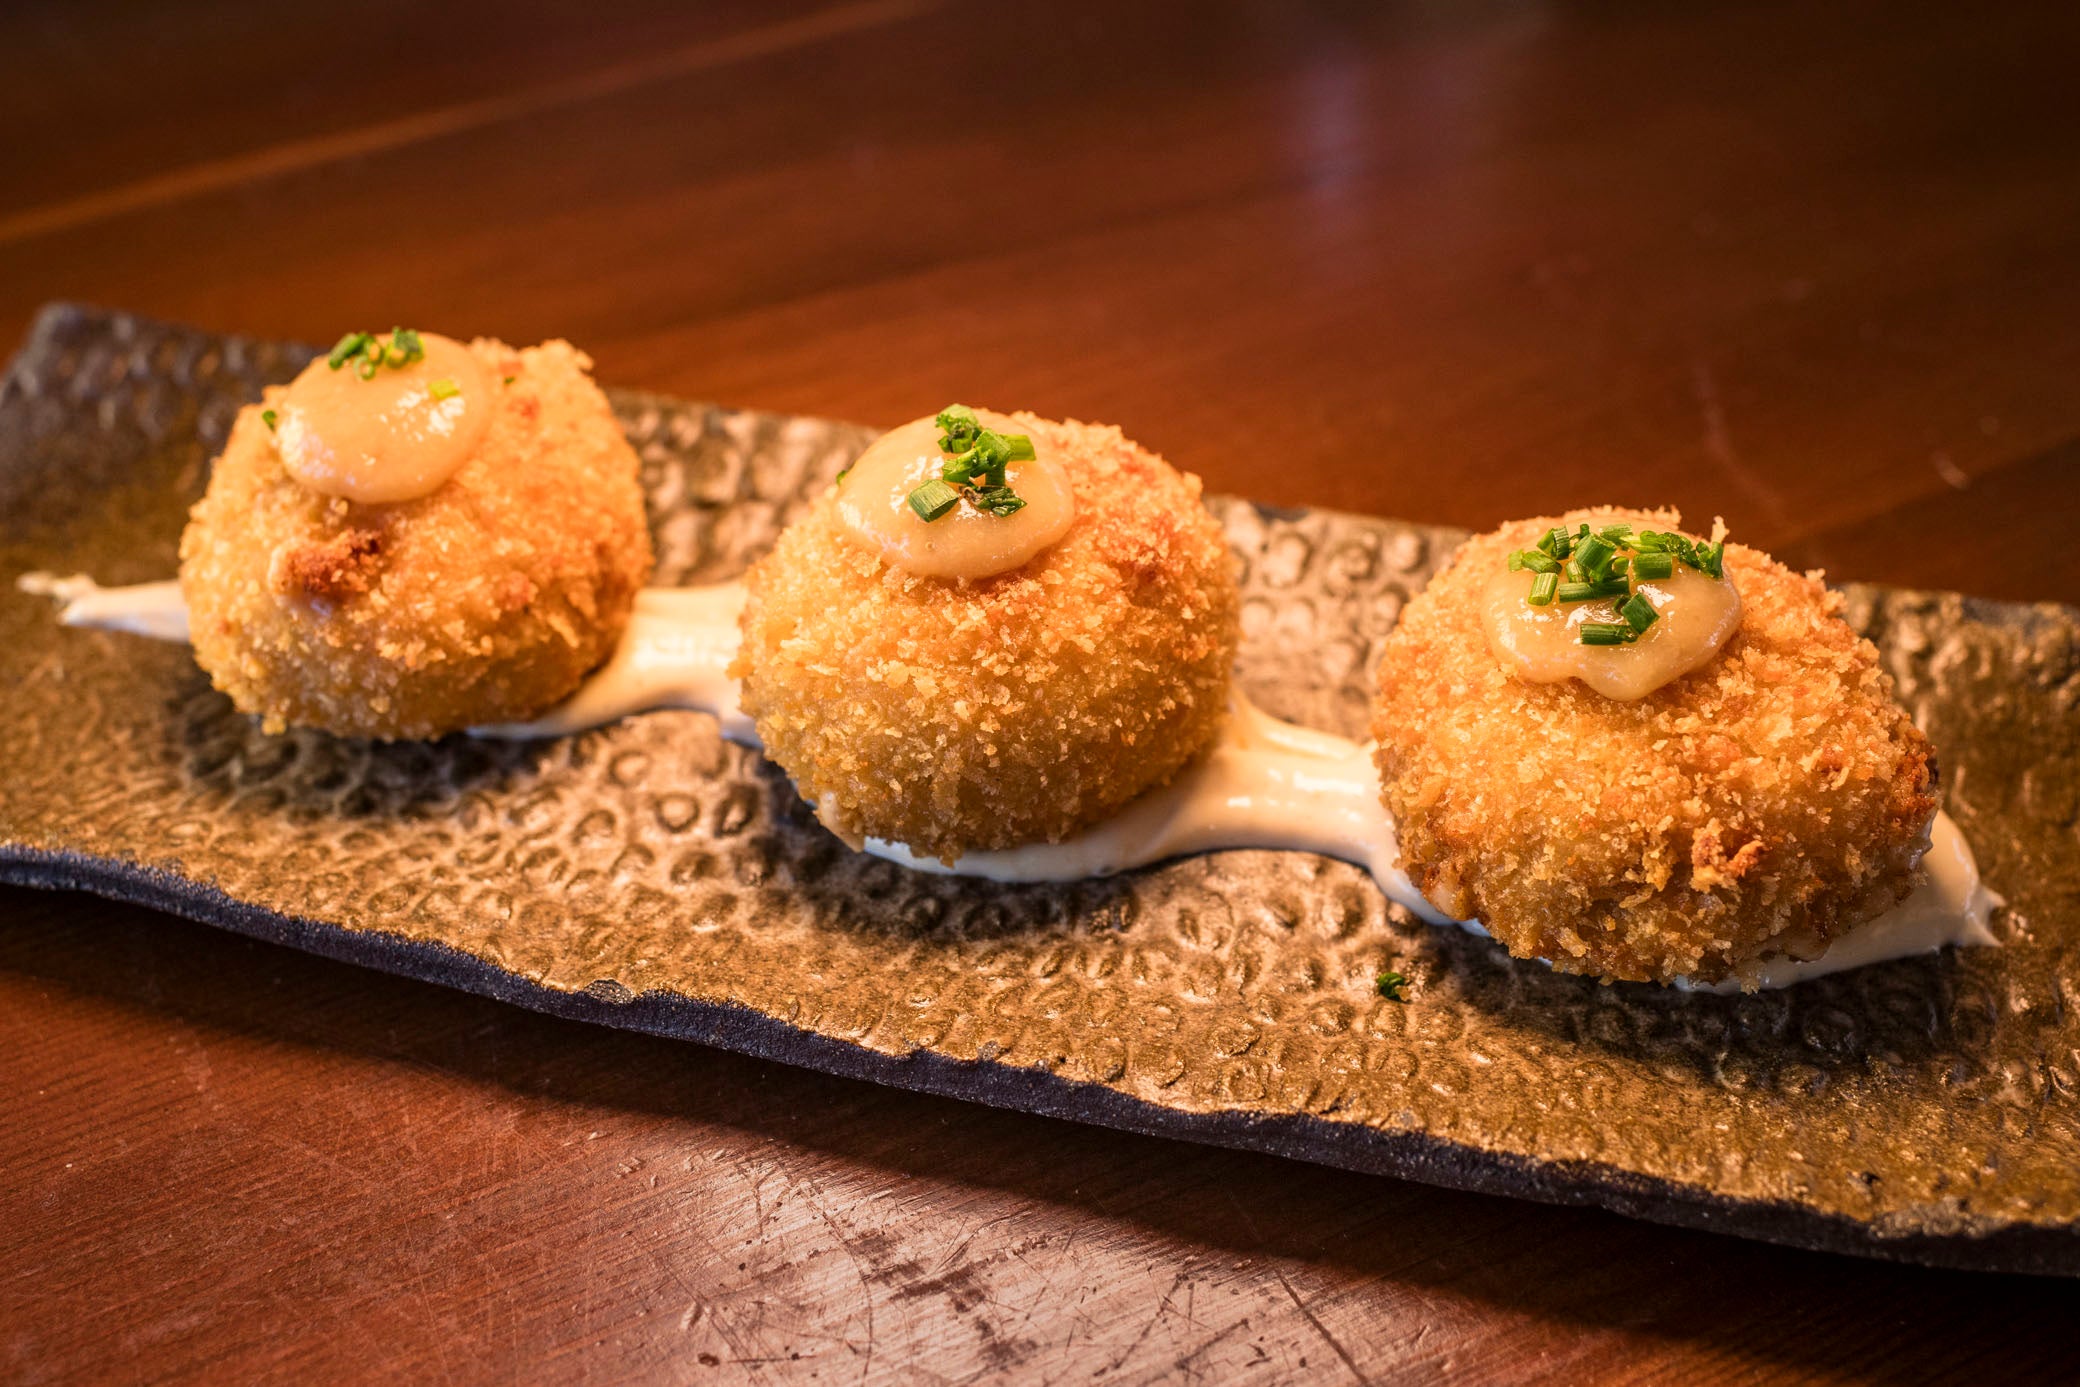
(1808, 267)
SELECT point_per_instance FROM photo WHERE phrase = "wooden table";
(1809, 267)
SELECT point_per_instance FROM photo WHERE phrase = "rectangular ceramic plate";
(653, 876)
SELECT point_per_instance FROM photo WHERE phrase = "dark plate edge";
(2038, 1251)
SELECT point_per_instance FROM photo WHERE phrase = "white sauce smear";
(1265, 784)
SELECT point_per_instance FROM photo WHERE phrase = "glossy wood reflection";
(1809, 268)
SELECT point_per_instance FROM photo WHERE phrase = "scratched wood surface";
(1807, 267)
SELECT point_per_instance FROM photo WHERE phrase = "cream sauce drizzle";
(147, 609)
(1266, 783)
(675, 653)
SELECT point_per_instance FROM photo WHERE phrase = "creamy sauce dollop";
(964, 543)
(1265, 783)
(1541, 644)
(395, 436)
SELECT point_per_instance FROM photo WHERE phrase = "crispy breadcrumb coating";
(1763, 804)
(485, 601)
(957, 717)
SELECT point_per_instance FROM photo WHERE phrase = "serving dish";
(653, 876)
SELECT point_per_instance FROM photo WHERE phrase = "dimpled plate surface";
(651, 875)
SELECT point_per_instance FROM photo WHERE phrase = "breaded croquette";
(484, 600)
(1763, 804)
(954, 716)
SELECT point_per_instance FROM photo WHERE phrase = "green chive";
(998, 500)
(1638, 612)
(443, 388)
(347, 348)
(1516, 562)
(1019, 446)
(268, 417)
(1573, 572)
(933, 500)
(1616, 534)
(406, 345)
(1617, 568)
(1711, 559)
(1538, 562)
(510, 379)
(1648, 568)
(957, 428)
(1542, 589)
(1606, 633)
(1650, 542)
(1591, 592)
(1391, 984)
(1593, 553)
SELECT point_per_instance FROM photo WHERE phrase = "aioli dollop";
(965, 543)
(1542, 645)
(394, 436)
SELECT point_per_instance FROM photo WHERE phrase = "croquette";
(1763, 804)
(954, 717)
(486, 600)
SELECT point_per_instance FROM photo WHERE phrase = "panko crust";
(958, 717)
(1763, 804)
(485, 601)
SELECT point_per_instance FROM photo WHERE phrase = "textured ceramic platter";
(652, 876)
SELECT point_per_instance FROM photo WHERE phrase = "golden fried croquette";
(1765, 803)
(955, 717)
(486, 600)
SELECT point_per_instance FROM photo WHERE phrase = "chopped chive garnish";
(268, 417)
(369, 353)
(1533, 561)
(1648, 568)
(510, 379)
(1392, 984)
(976, 463)
(957, 429)
(443, 388)
(1593, 592)
(1608, 563)
(347, 348)
(1638, 612)
(998, 500)
(1592, 554)
(933, 499)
